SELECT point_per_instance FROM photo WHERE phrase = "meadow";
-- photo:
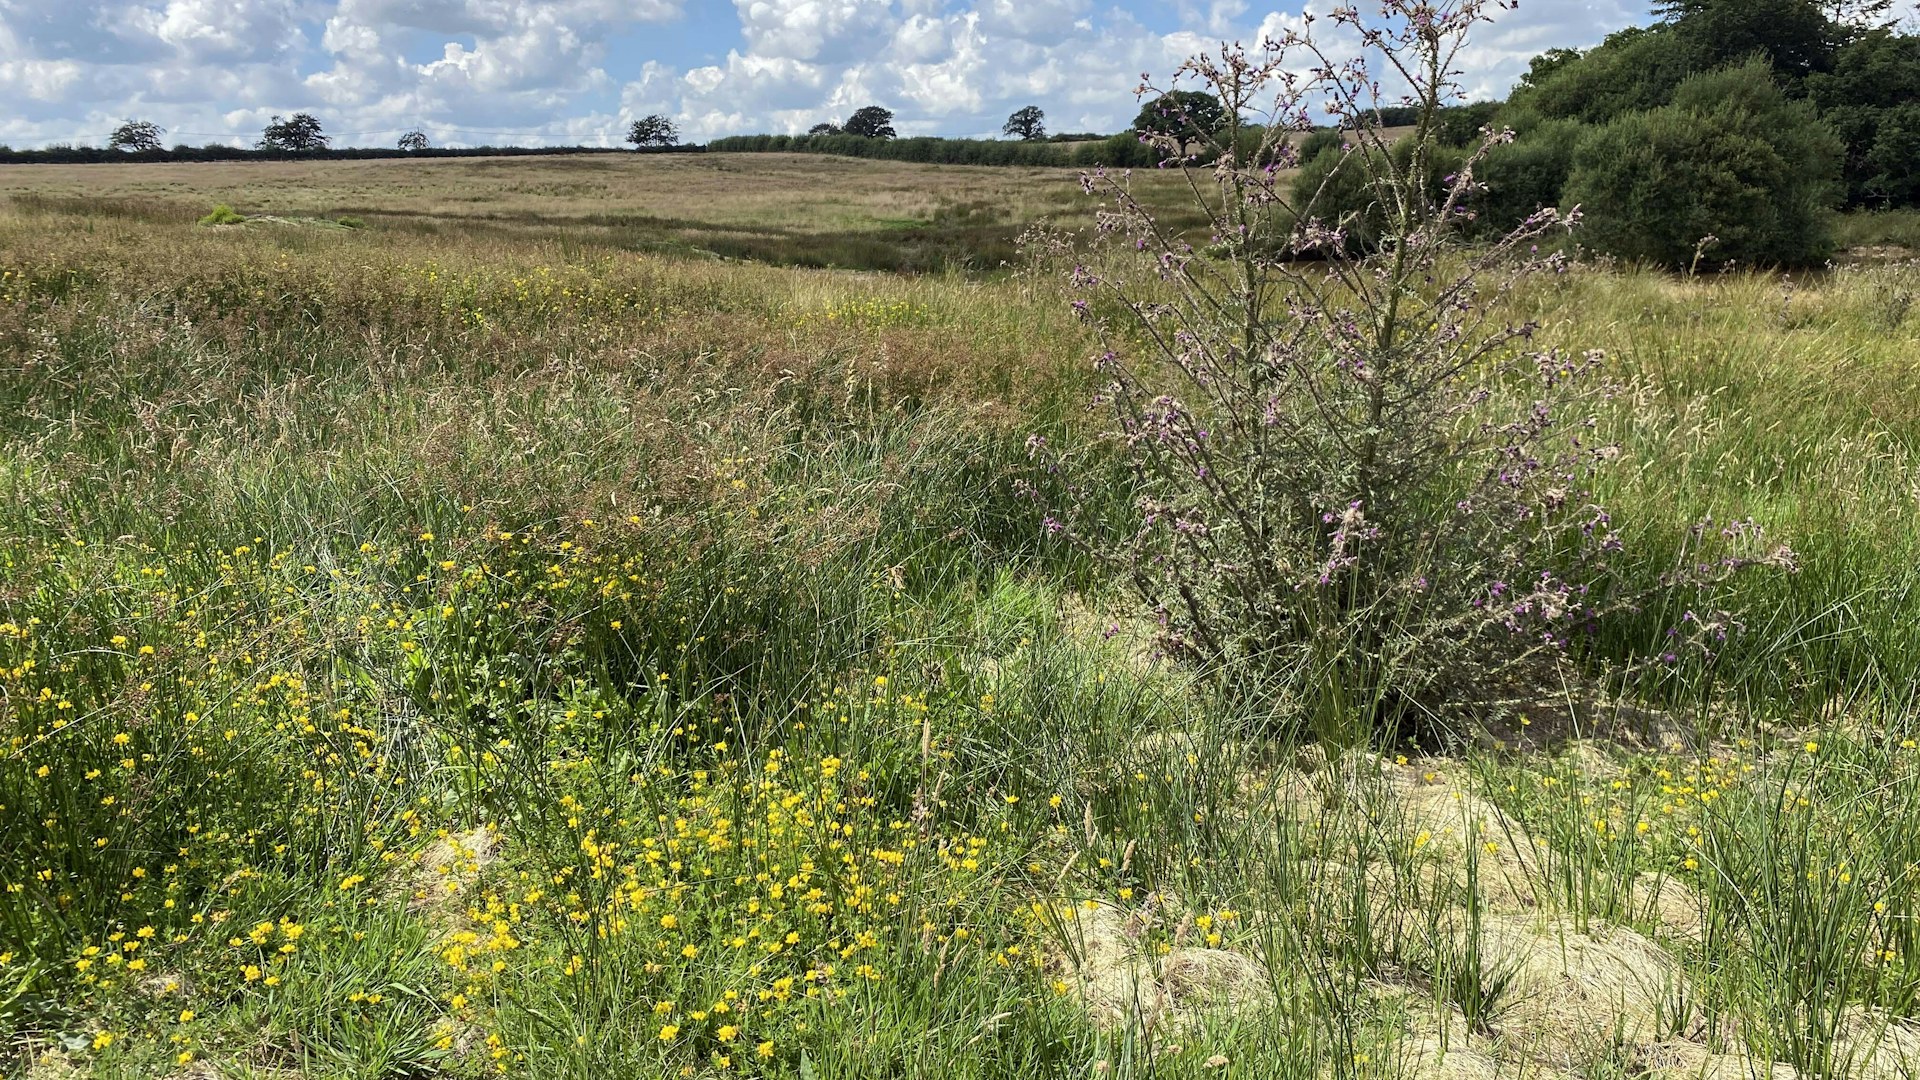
(577, 618)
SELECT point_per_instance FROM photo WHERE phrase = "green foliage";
(654, 130)
(1633, 70)
(1319, 141)
(1732, 159)
(1524, 175)
(870, 122)
(1346, 186)
(1460, 125)
(920, 149)
(1029, 124)
(222, 214)
(136, 135)
(296, 134)
(1795, 36)
(1188, 115)
(1125, 150)
(1869, 99)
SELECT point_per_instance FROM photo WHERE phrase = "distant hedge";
(95, 155)
(1122, 150)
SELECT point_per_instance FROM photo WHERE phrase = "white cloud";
(817, 31)
(582, 68)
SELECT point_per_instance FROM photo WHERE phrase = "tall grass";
(425, 656)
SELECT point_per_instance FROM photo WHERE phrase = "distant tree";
(824, 129)
(1632, 70)
(1542, 67)
(1029, 124)
(1796, 36)
(414, 140)
(871, 122)
(297, 133)
(655, 130)
(136, 135)
(1190, 115)
(1872, 99)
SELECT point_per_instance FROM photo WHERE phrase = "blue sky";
(577, 71)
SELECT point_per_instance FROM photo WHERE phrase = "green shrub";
(1336, 509)
(1524, 175)
(222, 214)
(1893, 163)
(1318, 142)
(1868, 98)
(1122, 151)
(1731, 159)
(350, 222)
(1460, 125)
(1342, 187)
(1633, 70)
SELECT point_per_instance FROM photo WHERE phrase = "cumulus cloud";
(497, 70)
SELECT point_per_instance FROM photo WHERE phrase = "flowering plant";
(1352, 470)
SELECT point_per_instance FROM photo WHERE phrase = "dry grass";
(782, 208)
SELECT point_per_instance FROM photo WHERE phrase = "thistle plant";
(1353, 473)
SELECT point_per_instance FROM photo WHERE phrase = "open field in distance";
(789, 208)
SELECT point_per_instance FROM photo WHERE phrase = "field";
(785, 208)
(549, 626)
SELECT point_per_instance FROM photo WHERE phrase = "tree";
(1795, 36)
(654, 130)
(299, 133)
(136, 135)
(413, 140)
(1633, 69)
(1868, 98)
(1860, 15)
(1029, 124)
(824, 129)
(871, 122)
(1189, 115)
(1542, 67)
(1733, 158)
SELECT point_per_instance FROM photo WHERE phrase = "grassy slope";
(785, 208)
(490, 651)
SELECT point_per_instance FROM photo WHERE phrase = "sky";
(549, 72)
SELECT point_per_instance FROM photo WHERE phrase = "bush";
(1460, 126)
(1122, 151)
(1319, 141)
(1632, 71)
(1343, 186)
(1524, 175)
(1359, 493)
(921, 149)
(1893, 162)
(222, 214)
(1732, 159)
(1868, 98)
